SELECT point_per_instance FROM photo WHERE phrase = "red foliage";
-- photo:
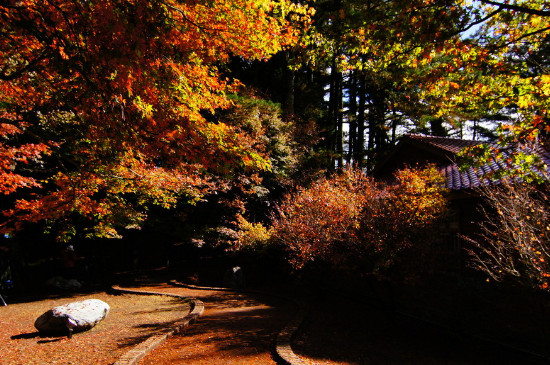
(348, 218)
(100, 100)
(320, 222)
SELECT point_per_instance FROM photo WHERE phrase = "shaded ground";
(132, 318)
(357, 333)
(240, 329)
(234, 329)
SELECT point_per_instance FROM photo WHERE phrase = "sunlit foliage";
(103, 104)
(348, 218)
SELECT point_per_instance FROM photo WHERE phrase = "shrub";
(250, 236)
(348, 218)
(398, 226)
(514, 243)
(319, 222)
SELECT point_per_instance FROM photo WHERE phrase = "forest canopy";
(110, 107)
(105, 105)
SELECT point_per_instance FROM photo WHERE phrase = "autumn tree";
(251, 193)
(500, 72)
(428, 66)
(379, 57)
(104, 105)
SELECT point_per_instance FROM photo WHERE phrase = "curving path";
(235, 328)
(243, 328)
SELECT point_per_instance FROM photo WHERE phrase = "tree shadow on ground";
(240, 332)
(145, 331)
(231, 300)
(234, 329)
(372, 335)
(184, 306)
(230, 315)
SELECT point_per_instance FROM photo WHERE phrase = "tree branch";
(518, 8)
(182, 13)
(528, 35)
(473, 24)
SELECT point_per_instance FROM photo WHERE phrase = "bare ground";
(132, 318)
(241, 329)
(234, 329)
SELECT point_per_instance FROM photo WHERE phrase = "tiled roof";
(472, 177)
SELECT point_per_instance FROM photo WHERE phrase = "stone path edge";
(139, 351)
(283, 343)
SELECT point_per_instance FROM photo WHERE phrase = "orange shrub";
(319, 221)
(397, 230)
(348, 217)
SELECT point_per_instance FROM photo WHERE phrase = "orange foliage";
(348, 217)
(105, 99)
(318, 222)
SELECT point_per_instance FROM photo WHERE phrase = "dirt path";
(234, 329)
(241, 329)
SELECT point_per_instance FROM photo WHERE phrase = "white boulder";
(76, 316)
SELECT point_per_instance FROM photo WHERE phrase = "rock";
(76, 316)
(234, 278)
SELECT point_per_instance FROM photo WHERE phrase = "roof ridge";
(427, 136)
(442, 144)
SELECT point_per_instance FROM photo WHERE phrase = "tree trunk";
(352, 117)
(334, 128)
(378, 136)
(394, 124)
(359, 147)
(330, 122)
(339, 121)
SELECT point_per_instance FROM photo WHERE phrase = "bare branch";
(518, 8)
(182, 13)
(484, 19)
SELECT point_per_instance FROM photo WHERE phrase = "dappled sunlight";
(234, 329)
